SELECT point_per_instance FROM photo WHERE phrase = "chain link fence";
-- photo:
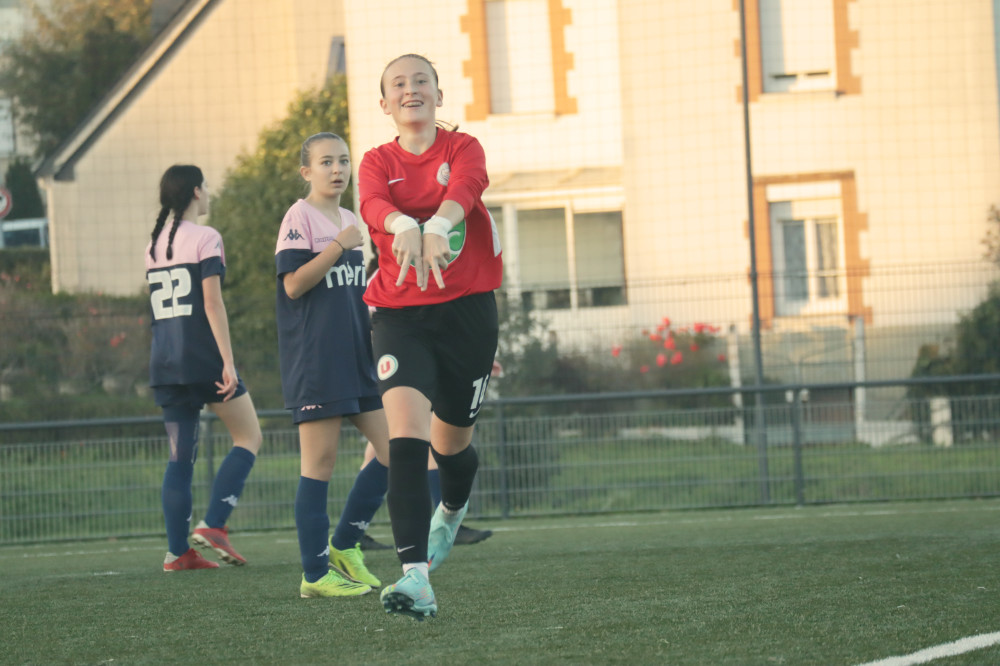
(591, 453)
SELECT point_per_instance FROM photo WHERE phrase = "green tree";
(973, 349)
(248, 210)
(24, 191)
(58, 70)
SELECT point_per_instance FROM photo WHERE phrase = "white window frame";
(514, 284)
(824, 199)
(798, 46)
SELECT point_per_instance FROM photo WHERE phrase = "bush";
(56, 347)
(972, 352)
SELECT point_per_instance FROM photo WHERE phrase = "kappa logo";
(361, 525)
(232, 500)
(325, 553)
(293, 235)
(387, 366)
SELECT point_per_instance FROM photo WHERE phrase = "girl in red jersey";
(435, 324)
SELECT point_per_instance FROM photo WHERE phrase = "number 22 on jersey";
(167, 287)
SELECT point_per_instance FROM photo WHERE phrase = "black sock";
(457, 474)
(409, 498)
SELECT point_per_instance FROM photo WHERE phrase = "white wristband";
(403, 223)
(439, 226)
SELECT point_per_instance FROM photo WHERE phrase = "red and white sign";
(6, 202)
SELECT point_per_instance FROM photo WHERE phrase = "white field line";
(961, 646)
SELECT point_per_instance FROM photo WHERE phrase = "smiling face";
(329, 169)
(410, 91)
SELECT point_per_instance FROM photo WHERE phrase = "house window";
(807, 246)
(520, 56)
(557, 259)
(797, 45)
(518, 61)
(600, 265)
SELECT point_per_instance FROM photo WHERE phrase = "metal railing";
(546, 455)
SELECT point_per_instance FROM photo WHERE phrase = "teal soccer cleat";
(442, 535)
(410, 595)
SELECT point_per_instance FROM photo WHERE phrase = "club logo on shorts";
(387, 366)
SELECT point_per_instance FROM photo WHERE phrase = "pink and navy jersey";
(454, 168)
(324, 336)
(184, 350)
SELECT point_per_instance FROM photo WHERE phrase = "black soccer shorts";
(444, 350)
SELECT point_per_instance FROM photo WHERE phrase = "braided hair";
(176, 193)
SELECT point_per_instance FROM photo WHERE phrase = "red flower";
(644, 369)
(666, 322)
(661, 359)
(669, 343)
(699, 327)
(616, 351)
(677, 359)
(653, 337)
(694, 346)
(722, 358)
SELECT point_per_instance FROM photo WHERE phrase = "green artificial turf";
(816, 585)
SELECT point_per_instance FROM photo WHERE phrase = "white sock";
(419, 566)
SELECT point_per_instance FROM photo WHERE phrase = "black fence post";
(502, 456)
(796, 407)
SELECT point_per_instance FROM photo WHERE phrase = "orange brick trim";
(562, 60)
(755, 65)
(845, 40)
(477, 67)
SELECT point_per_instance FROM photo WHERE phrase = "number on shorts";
(169, 286)
(479, 392)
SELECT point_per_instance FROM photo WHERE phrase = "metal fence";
(546, 456)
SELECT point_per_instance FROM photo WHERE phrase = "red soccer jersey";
(454, 168)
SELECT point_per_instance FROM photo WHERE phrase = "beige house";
(614, 132)
(217, 74)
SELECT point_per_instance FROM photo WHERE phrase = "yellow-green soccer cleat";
(352, 562)
(333, 584)
(410, 595)
(444, 527)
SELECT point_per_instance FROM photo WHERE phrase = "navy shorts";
(192, 396)
(444, 350)
(329, 410)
